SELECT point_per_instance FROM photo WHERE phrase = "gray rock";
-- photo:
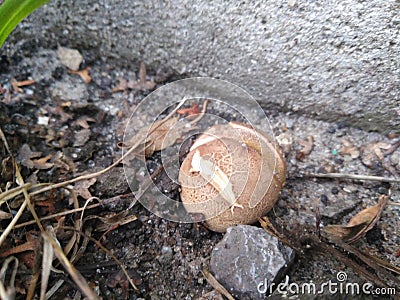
(71, 58)
(332, 60)
(248, 260)
(166, 255)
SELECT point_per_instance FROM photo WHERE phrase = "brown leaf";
(341, 233)
(142, 84)
(81, 188)
(30, 245)
(365, 216)
(122, 85)
(349, 149)
(25, 156)
(359, 225)
(193, 110)
(42, 163)
(155, 137)
(307, 147)
(59, 110)
(48, 203)
(83, 121)
(373, 152)
(85, 74)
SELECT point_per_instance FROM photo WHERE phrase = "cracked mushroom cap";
(232, 175)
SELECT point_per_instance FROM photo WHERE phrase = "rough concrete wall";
(330, 59)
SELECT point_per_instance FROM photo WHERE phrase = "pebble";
(71, 58)
(247, 260)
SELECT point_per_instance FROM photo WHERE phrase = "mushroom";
(233, 174)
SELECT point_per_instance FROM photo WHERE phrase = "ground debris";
(359, 225)
(141, 84)
(307, 145)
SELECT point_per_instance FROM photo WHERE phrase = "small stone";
(81, 137)
(42, 120)
(324, 199)
(292, 3)
(166, 255)
(335, 190)
(71, 58)
(247, 259)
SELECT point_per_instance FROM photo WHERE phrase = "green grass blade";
(14, 11)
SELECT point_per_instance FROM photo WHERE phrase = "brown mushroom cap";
(254, 165)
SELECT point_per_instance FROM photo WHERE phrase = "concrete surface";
(336, 60)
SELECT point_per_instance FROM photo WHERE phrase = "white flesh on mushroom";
(215, 176)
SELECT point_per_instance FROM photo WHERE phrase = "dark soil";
(164, 258)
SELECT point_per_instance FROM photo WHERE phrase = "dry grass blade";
(48, 254)
(216, 285)
(81, 251)
(10, 194)
(14, 221)
(54, 288)
(353, 176)
(329, 251)
(117, 162)
(8, 293)
(380, 267)
(27, 201)
(108, 252)
(32, 286)
(20, 180)
(270, 228)
(72, 211)
(79, 280)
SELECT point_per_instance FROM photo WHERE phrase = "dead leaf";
(81, 188)
(372, 152)
(25, 156)
(155, 137)
(308, 146)
(64, 163)
(42, 163)
(32, 242)
(142, 84)
(359, 225)
(83, 121)
(193, 110)
(85, 74)
(48, 204)
(59, 110)
(392, 148)
(349, 149)
(122, 85)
